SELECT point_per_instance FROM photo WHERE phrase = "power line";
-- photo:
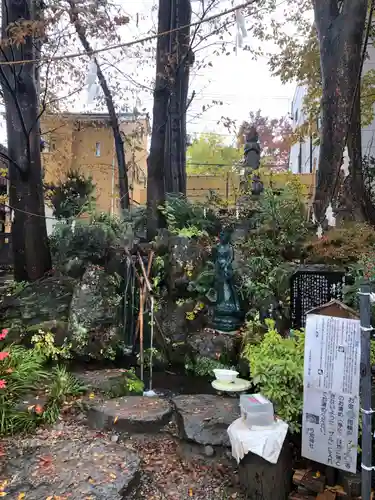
(128, 44)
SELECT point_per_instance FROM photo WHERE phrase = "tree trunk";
(29, 234)
(262, 480)
(119, 143)
(155, 162)
(175, 160)
(363, 207)
(340, 33)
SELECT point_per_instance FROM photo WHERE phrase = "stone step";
(205, 418)
(72, 469)
(130, 414)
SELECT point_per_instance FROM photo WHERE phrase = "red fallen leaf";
(46, 461)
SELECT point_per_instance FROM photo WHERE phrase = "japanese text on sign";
(331, 391)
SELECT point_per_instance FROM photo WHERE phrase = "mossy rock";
(113, 383)
(95, 316)
(40, 305)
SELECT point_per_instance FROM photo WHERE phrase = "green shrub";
(62, 386)
(188, 219)
(44, 345)
(127, 384)
(281, 224)
(88, 242)
(276, 368)
(72, 197)
(21, 372)
(265, 284)
(341, 245)
(203, 366)
(22, 375)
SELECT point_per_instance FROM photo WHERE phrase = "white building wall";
(303, 149)
(50, 220)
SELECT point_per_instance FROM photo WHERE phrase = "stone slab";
(130, 414)
(74, 470)
(205, 418)
(111, 382)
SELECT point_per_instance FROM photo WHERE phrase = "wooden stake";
(141, 310)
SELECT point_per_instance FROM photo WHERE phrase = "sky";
(241, 83)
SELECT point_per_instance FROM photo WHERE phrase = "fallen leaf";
(190, 492)
(21, 496)
(91, 395)
(46, 461)
(38, 410)
(113, 476)
(3, 494)
(115, 420)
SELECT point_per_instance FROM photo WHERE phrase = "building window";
(97, 149)
(48, 145)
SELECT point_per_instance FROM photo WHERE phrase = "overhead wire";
(130, 43)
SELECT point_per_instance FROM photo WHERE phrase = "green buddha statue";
(227, 315)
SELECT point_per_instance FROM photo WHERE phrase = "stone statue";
(227, 315)
(252, 150)
(251, 183)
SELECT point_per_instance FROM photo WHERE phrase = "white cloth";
(91, 82)
(263, 441)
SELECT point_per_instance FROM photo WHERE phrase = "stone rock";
(209, 451)
(72, 469)
(172, 318)
(205, 418)
(186, 257)
(132, 414)
(113, 382)
(32, 401)
(94, 314)
(211, 344)
(43, 304)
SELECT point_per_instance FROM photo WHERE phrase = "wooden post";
(366, 329)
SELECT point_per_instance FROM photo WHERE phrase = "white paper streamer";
(345, 163)
(330, 216)
(92, 85)
(241, 29)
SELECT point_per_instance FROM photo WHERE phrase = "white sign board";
(331, 391)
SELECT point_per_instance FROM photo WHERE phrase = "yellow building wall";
(72, 146)
(227, 185)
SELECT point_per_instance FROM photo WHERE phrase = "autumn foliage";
(343, 245)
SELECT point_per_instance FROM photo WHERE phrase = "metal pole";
(365, 317)
(311, 147)
(113, 186)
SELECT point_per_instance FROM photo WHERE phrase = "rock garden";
(106, 364)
